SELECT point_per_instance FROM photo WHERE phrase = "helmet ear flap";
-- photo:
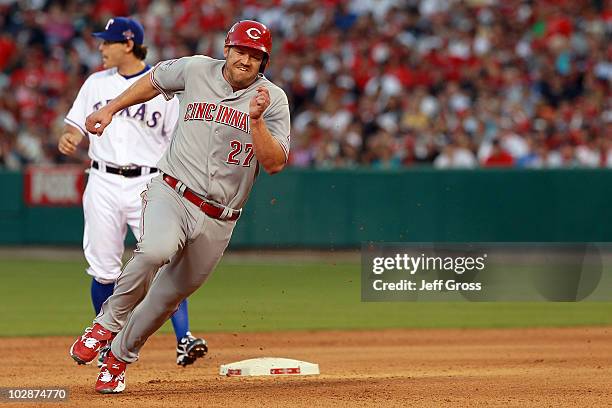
(264, 62)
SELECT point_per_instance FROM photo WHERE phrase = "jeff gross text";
(410, 265)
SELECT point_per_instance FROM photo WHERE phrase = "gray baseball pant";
(178, 249)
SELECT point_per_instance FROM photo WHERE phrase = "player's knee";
(162, 305)
(157, 253)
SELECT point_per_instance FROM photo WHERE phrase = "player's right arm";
(74, 122)
(140, 91)
(69, 140)
(166, 78)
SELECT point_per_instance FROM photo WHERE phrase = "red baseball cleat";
(111, 379)
(86, 347)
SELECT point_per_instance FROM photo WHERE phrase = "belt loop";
(144, 171)
(102, 166)
(180, 187)
(225, 214)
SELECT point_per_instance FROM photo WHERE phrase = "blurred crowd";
(380, 83)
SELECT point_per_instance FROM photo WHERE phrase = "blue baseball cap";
(122, 29)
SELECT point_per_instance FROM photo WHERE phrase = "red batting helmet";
(252, 34)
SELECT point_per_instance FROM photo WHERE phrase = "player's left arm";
(269, 152)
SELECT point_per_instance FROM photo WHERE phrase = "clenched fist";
(259, 103)
(68, 142)
(98, 121)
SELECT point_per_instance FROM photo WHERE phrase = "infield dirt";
(509, 367)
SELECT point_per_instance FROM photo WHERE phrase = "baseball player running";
(231, 121)
(122, 163)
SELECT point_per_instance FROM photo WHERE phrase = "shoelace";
(90, 342)
(106, 376)
(187, 339)
(182, 346)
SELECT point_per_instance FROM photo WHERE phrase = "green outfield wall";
(343, 208)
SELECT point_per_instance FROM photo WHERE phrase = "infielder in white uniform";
(122, 163)
(232, 120)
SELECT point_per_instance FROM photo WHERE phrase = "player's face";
(242, 65)
(112, 53)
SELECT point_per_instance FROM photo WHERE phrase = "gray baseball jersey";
(212, 150)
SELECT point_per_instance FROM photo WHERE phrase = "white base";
(268, 366)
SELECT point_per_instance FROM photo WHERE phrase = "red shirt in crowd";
(499, 159)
